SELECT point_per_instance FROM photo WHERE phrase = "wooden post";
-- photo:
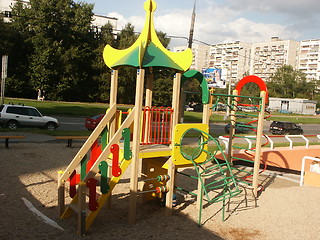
(61, 195)
(232, 127)
(149, 88)
(148, 103)
(113, 100)
(258, 143)
(136, 146)
(206, 114)
(175, 120)
(112, 126)
(211, 91)
(205, 120)
(82, 209)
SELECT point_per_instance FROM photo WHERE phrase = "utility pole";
(3, 76)
(183, 95)
(193, 19)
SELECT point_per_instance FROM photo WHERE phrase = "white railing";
(288, 137)
(225, 140)
(271, 142)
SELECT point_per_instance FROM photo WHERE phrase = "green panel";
(155, 57)
(104, 138)
(83, 168)
(126, 144)
(201, 79)
(130, 59)
(104, 186)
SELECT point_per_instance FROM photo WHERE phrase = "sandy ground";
(29, 170)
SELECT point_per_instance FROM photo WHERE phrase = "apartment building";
(268, 56)
(97, 23)
(233, 57)
(238, 59)
(309, 58)
(200, 55)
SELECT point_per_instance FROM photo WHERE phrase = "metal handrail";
(225, 141)
(288, 137)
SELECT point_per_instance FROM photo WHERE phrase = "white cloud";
(238, 20)
(290, 7)
(249, 31)
(122, 21)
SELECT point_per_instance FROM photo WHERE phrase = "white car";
(187, 108)
(14, 116)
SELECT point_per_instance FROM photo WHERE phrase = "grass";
(296, 119)
(52, 108)
(80, 109)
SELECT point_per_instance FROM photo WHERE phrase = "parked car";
(240, 128)
(188, 108)
(92, 122)
(282, 128)
(14, 116)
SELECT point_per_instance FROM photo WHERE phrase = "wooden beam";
(136, 146)
(87, 145)
(149, 88)
(113, 100)
(148, 103)
(257, 156)
(175, 120)
(232, 127)
(206, 114)
(113, 121)
(61, 194)
(82, 209)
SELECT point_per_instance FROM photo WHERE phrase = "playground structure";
(152, 136)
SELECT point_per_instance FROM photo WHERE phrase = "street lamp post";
(3, 76)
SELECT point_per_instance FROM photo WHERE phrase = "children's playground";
(143, 174)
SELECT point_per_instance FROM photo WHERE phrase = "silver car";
(14, 116)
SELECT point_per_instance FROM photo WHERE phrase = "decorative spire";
(147, 51)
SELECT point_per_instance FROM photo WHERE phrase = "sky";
(219, 21)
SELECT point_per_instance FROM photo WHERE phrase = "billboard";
(215, 77)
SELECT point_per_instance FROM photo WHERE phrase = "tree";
(127, 75)
(6, 37)
(289, 83)
(55, 49)
(102, 75)
(13, 44)
(62, 43)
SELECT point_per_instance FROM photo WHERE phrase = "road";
(308, 129)
(71, 123)
(77, 124)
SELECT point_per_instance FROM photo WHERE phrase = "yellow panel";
(180, 129)
(135, 54)
(155, 154)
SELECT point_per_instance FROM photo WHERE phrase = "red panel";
(95, 153)
(254, 79)
(116, 170)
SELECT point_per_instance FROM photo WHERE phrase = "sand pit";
(29, 170)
